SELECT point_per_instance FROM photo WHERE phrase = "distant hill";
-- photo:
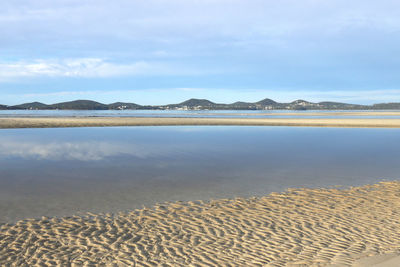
(33, 105)
(194, 103)
(122, 105)
(3, 107)
(306, 105)
(301, 102)
(269, 104)
(80, 105)
(337, 105)
(197, 102)
(239, 105)
(386, 106)
(204, 104)
(266, 102)
(302, 105)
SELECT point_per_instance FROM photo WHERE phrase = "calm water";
(191, 113)
(65, 171)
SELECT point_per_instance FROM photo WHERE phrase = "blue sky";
(165, 51)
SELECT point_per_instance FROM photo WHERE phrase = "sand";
(135, 121)
(302, 113)
(385, 260)
(300, 227)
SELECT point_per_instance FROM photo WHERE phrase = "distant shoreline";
(203, 104)
(55, 122)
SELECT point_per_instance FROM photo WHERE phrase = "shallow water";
(356, 114)
(64, 171)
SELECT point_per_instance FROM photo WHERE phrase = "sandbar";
(299, 227)
(303, 113)
(51, 122)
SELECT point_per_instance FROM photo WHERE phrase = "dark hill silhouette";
(33, 105)
(338, 105)
(122, 105)
(386, 106)
(193, 102)
(199, 104)
(239, 105)
(80, 104)
(266, 102)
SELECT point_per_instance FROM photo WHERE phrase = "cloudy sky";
(165, 51)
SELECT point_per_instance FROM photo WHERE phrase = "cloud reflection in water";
(80, 150)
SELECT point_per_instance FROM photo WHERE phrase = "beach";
(319, 226)
(199, 133)
(357, 226)
(52, 122)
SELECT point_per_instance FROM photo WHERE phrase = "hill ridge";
(205, 104)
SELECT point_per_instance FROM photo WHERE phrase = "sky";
(166, 51)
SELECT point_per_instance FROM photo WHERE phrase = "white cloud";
(101, 22)
(332, 44)
(86, 68)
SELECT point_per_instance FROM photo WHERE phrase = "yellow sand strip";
(385, 260)
(302, 227)
(134, 121)
(305, 114)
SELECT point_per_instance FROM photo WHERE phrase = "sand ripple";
(301, 227)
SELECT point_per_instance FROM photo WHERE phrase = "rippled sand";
(136, 121)
(301, 227)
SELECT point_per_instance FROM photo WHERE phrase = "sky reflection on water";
(70, 170)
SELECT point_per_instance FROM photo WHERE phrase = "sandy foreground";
(135, 121)
(359, 226)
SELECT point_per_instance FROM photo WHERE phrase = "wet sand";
(50, 122)
(385, 260)
(307, 113)
(300, 227)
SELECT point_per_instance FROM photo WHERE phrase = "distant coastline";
(203, 104)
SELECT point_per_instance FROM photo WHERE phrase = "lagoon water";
(356, 114)
(65, 171)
